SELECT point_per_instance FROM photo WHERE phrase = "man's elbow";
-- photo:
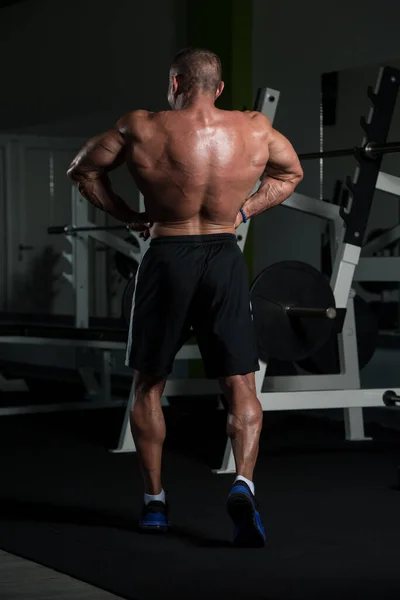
(78, 175)
(298, 176)
(73, 172)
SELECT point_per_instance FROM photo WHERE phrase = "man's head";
(194, 72)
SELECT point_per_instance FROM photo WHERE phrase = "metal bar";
(80, 262)
(374, 150)
(277, 401)
(378, 268)
(71, 229)
(301, 311)
(313, 206)
(328, 154)
(370, 150)
(388, 183)
(381, 242)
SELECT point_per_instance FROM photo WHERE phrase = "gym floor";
(331, 510)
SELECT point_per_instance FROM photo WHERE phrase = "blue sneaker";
(154, 517)
(243, 510)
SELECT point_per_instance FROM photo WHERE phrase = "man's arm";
(90, 169)
(280, 178)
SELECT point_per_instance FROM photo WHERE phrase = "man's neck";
(198, 102)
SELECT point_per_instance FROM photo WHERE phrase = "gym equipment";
(73, 229)
(391, 399)
(379, 287)
(294, 311)
(128, 252)
(370, 150)
(327, 361)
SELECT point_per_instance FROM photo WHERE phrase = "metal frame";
(78, 258)
(382, 268)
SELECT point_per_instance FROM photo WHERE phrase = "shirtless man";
(196, 167)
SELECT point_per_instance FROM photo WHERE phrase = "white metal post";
(80, 260)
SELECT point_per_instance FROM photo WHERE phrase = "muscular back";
(195, 166)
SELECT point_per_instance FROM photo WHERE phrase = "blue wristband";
(243, 215)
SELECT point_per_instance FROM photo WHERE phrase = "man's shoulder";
(258, 118)
(253, 118)
(132, 117)
(136, 122)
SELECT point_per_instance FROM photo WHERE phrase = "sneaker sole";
(242, 512)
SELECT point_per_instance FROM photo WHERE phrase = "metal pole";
(300, 311)
(328, 154)
(371, 150)
(71, 229)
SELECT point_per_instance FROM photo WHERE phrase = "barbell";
(370, 150)
(72, 229)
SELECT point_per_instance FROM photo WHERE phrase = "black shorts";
(197, 281)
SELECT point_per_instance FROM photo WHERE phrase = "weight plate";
(290, 283)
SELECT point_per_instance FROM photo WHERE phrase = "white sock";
(249, 483)
(159, 497)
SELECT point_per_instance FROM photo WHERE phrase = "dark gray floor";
(22, 579)
(331, 509)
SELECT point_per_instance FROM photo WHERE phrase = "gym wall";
(291, 49)
(75, 67)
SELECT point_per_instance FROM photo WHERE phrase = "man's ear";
(220, 89)
(175, 83)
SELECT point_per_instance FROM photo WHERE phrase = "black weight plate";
(127, 298)
(296, 284)
(326, 361)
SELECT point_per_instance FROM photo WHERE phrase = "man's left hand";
(142, 225)
(239, 220)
